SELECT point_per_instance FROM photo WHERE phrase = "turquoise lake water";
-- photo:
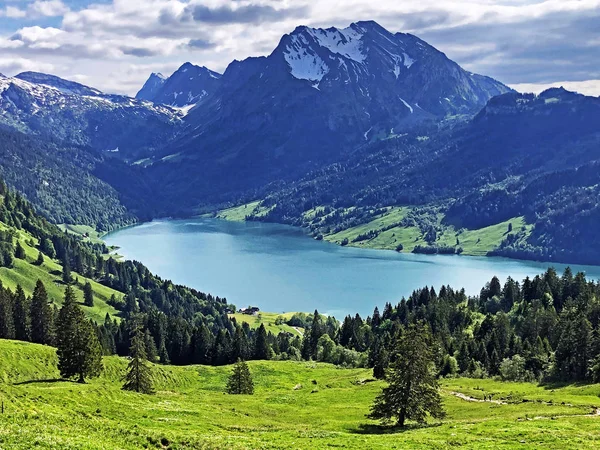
(279, 269)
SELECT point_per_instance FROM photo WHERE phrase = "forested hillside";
(522, 156)
(59, 181)
(542, 328)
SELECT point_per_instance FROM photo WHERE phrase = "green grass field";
(81, 230)
(268, 319)
(473, 242)
(477, 242)
(190, 410)
(239, 213)
(26, 274)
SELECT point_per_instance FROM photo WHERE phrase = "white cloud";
(36, 10)
(524, 41)
(47, 8)
(12, 12)
(588, 87)
(16, 65)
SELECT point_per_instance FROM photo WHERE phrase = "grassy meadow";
(26, 273)
(268, 320)
(476, 242)
(296, 405)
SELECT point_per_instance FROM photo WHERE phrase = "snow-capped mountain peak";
(315, 53)
(186, 86)
(65, 86)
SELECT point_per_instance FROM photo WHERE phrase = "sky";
(114, 45)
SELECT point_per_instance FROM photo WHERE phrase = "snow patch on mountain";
(407, 60)
(304, 63)
(346, 42)
(407, 105)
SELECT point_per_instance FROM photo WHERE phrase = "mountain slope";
(60, 181)
(522, 156)
(151, 87)
(319, 95)
(187, 86)
(48, 106)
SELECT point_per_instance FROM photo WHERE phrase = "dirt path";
(473, 399)
(595, 412)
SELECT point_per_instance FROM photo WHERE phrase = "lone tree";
(240, 381)
(19, 251)
(413, 388)
(88, 294)
(66, 272)
(78, 348)
(42, 316)
(139, 374)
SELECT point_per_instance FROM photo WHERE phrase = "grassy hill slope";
(296, 405)
(26, 274)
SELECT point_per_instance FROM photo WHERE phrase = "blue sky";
(115, 44)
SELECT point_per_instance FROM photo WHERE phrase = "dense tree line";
(521, 156)
(63, 181)
(544, 327)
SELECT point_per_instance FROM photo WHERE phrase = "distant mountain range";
(316, 97)
(49, 106)
(356, 116)
(186, 87)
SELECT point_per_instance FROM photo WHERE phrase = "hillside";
(315, 98)
(25, 273)
(51, 107)
(526, 160)
(190, 410)
(61, 181)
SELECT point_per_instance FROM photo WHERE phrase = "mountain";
(316, 97)
(187, 86)
(49, 106)
(65, 86)
(522, 158)
(151, 87)
(64, 182)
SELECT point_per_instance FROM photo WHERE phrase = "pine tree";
(163, 354)
(151, 350)
(7, 321)
(40, 259)
(19, 251)
(412, 392)
(139, 375)
(42, 316)
(66, 272)
(261, 346)
(88, 294)
(240, 381)
(22, 320)
(79, 351)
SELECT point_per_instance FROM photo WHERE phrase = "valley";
(350, 241)
(281, 269)
(189, 410)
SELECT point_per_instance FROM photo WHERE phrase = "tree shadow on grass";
(390, 429)
(551, 385)
(50, 380)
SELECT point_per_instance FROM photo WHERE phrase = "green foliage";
(42, 316)
(513, 369)
(79, 352)
(88, 295)
(60, 180)
(19, 251)
(139, 375)
(240, 380)
(413, 390)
